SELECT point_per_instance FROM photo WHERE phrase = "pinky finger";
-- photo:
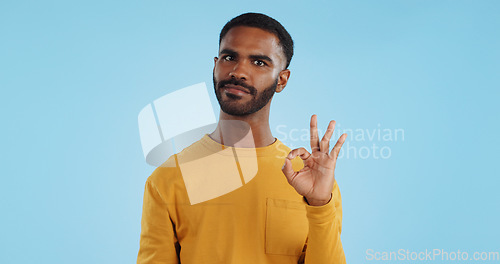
(336, 149)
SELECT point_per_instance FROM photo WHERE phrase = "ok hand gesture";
(315, 181)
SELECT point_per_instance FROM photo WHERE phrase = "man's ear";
(282, 80)
(215, 62)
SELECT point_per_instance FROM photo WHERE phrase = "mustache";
(223, 83)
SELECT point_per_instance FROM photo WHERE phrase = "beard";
(232, 106)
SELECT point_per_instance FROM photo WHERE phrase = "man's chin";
(230, 96)
(234, 110)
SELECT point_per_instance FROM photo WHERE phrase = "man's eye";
(228, 58)
(259, 63)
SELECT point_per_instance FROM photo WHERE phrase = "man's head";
(254, 54)
(266, 23)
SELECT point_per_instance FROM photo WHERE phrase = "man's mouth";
(235, 89)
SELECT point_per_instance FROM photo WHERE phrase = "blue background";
(75, 74)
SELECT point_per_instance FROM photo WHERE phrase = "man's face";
(248, 70)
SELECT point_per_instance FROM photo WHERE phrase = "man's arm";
(325, 225)
(316, 182)
(158, 240)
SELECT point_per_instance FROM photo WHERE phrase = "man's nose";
(239, 71)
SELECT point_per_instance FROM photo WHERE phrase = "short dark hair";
(266, 23)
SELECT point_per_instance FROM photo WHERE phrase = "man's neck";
(250, 131)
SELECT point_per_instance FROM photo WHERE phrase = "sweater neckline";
(216, 147)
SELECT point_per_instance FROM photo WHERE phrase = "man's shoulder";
(164, 173)
(172, 161)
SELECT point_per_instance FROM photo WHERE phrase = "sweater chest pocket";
(286, 227)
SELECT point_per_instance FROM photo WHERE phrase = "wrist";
(317, 202)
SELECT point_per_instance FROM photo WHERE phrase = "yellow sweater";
(216, 204)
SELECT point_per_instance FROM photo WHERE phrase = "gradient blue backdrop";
(75, 74)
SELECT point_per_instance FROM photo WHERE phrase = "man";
(284, 210)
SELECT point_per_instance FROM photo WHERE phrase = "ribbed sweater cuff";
(321, 214)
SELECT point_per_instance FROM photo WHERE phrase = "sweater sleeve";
(325, 225)
(158, 242)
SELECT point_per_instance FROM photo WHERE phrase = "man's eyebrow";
(254, 57)
(228, 51)
(261, 57)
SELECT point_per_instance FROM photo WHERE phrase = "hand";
(315, 181)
